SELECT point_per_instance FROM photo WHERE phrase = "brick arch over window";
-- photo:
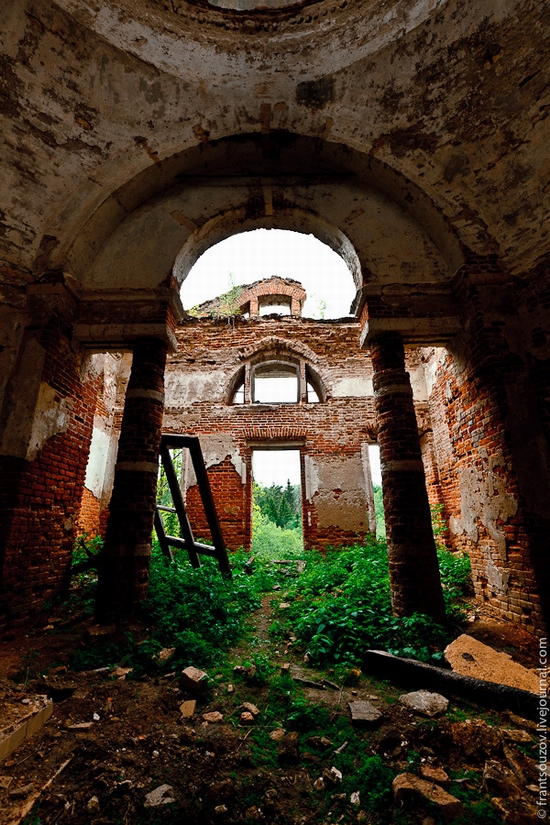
(275, 345)
(291, 357)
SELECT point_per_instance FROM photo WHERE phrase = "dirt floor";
(112, 740)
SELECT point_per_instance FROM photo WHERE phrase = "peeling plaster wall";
(332, 437)
(51, 417)
(490, 472)
(113, 370)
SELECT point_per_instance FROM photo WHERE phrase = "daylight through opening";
(276, 503)
(264, 253)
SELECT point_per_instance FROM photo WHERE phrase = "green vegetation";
(224, 306)
(272, 542)
(281, 505)
(379, 511)
(340, 607)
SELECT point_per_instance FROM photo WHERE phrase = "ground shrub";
(341, 607)
(272, 542)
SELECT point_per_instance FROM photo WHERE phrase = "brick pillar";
(414, 572)
(124, 572)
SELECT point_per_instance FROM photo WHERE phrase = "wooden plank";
(161, 535)
(179, 504)
(218, 551)
(209, 507)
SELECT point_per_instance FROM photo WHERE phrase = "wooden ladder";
(194, 548)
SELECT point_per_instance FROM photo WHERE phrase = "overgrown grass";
(272, 542)
(340, 607)
(199, 612)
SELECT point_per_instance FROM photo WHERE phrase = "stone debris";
(193, 679)
(248, 706)
(406, 787)
(355, 798)
(516, 810)
(474, 737)
(164, 655)
(309, 683)
(319, 784)
(187, 708)
(433, 774)
(332, 776)
(320, 742)
(289, 747)
(160, 796)
(519, 737)
(92, 806)
(220, 809)
(5, 782)
(213, 717)
(364, 713)
(284, 605)
(81, 726)
(247, 718)
(499, 780)
(472, 658)
(248, 672)
(21, 792)
(277, 734)
(120, 672)
(424, 702)
(96, 632)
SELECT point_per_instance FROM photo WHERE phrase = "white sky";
(252, 256)
(279, 466)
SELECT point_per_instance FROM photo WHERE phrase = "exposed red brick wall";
(89, 517)
(334, 430)
(38, 525)
(470, 408)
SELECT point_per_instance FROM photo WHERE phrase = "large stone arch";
(159, 223)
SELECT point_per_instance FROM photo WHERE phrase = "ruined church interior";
(411, 137)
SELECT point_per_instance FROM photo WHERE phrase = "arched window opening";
(275, 383)
(238, 397)
(311, 394)
(314, 392)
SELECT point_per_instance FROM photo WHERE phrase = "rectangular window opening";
(276, 504)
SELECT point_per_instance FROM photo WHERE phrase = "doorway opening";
(376, 475)
(276, 503)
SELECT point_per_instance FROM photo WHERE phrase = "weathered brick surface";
(41, 497)
(491, 479)
(124, 573)
(329, 435)
(414, 572)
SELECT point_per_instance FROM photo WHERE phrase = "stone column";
(414, 572)
(124, 571)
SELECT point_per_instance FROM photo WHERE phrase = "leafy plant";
(272, 542)
(341, 607)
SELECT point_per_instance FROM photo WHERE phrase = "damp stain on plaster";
(486, 502)
(52, 417)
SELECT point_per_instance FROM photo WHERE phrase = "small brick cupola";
(273, 292)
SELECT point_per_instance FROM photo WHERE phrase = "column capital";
(114, 319)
